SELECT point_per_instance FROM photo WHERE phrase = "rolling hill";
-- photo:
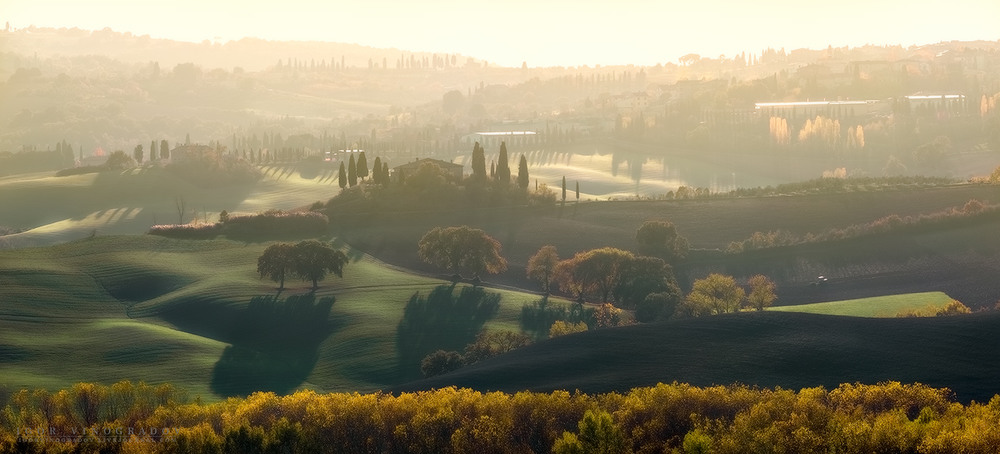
(161, 310)
(767, 349)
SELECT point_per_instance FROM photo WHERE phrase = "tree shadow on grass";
(275, 345)
(441, 321)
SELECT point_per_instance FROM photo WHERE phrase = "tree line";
(888, 417)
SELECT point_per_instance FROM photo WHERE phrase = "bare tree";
(181, 208)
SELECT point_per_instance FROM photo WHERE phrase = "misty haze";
(320, 241)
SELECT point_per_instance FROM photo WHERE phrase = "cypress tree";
(377, 171)
(478, 163)
(503, 168)
(342, 176)
(352, 172)
(564, 189)
(577, 190)
(522, 173)
(164, 150)
(152, 151)
(362, 166)
(385, 173)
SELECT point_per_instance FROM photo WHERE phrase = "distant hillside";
(767, 349)
(251, 54)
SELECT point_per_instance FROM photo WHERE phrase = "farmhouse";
(410, 168)
(186, 152)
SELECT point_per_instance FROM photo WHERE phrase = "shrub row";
(853, 418)
(824, 185)
(888, 224)
(268, 223)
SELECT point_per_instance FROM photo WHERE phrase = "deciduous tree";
(596, 271)
(119, 161)
(276, 263)
(661, 238)
(492, 343)
(542, 266)
(715, 294)
(656, 306)
(761, 292)
(640, 276)
(441, 362)
(461, 249)
(314, 259)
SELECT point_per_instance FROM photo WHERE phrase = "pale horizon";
(553, 33)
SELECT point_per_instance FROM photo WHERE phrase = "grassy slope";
(156, 309)
(768, 349)
(54, 209)
(879, 306)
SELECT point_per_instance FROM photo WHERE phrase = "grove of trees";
(309, 260)
(612, 274)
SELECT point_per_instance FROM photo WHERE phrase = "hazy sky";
(539, 32)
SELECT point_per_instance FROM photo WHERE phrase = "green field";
(879, 306)
(156, 309)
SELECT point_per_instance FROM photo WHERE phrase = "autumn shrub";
(538, 316)
(561, 328)
(852, 418)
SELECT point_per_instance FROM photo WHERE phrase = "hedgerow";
(973, 209)
(268, 223)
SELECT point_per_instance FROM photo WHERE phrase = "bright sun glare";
(559, 32)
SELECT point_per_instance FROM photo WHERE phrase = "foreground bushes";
(889, 417)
